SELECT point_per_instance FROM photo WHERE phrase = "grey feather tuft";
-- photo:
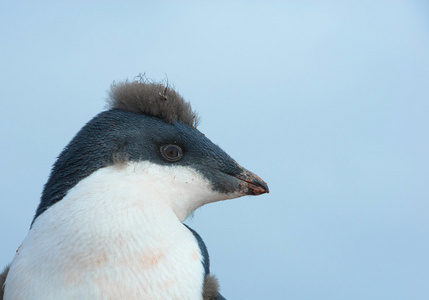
(3, 276)
(211, 288)
(155, 99)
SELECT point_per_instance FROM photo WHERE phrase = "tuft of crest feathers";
(155, 99)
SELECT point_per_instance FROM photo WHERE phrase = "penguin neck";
(115, 202)
(113, 223)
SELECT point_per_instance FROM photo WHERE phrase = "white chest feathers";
(116, 235)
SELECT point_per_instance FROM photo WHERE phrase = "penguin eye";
(171, 152)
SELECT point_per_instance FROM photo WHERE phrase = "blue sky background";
(328, 102)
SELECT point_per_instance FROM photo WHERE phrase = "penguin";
(109, 224)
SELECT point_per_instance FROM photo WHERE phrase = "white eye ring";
(171, 152)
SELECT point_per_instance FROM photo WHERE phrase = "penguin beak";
(251, 184)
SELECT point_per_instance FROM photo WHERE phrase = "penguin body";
(109, 224)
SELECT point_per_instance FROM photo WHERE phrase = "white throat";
(117, 234)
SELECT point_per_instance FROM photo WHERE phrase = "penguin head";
(150, 129)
